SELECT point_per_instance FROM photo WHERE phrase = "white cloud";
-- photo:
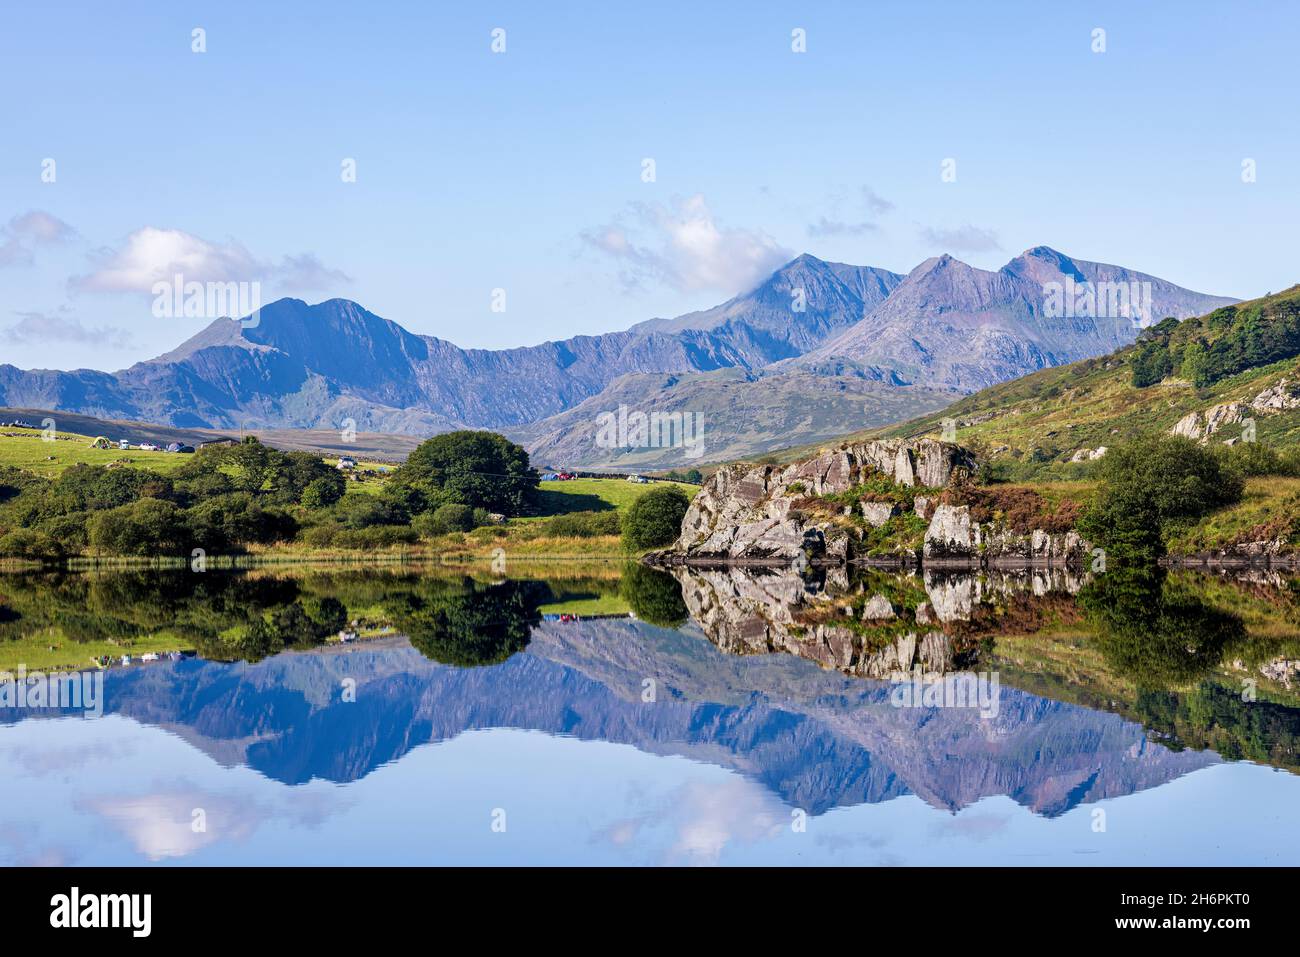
(14, 253)
(28, 230)
(36, 327)
(876, 203)
(702, 819)
(151, 255)
(685, 248)
(971, 239)
(308, 272)
(160, 825)
(872, 204)
(834, 227)
(40, 227)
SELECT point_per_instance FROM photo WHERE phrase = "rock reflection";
(871, 625)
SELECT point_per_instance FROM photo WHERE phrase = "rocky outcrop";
(1088, 455)
(952, 534)
(878, 609)
(1282, 397)
(1285, 671)
(756, 611)
(1202, 425)
(743, 612)
(878, 513)
(955, 538)
(750, 513)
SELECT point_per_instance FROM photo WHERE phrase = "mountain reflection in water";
(1109, 686)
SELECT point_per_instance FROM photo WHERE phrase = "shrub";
(362, 511)
(444, 519)
(454, 517)
(236, 519)
(1256, 458)
(655, 519)
(373, 537)
(147, 527)
(29, 543)
(94, 487)
(1150, 482)
(584, 524)
(1020, 509)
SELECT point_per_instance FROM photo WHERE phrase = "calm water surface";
(738, 718)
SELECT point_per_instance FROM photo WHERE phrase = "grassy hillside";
(26, 449)
(1032, 427)
(375, 446)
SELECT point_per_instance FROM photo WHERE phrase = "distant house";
(226, 440)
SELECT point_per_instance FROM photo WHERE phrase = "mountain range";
(816, 350)
(816, 739)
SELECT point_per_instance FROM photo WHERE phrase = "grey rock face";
(1088, 455)
(749, 512)
(878, 609)
(878, 513)
(1282, 397)
(954, 538)
(1202, 425)
(952, 534)
(746, 613)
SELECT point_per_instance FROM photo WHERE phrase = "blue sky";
(522, 170)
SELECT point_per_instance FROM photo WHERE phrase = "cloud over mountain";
(682, 246)
(152, 254)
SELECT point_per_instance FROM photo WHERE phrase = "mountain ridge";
(335, 364)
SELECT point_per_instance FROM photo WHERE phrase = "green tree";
(1149, 482)
(470, 624)
(474, 468)
(454, 517)
(292, 473)
(655, 519)
(1196, 364)
(1157, 631)
(324, 491)
(654, 596)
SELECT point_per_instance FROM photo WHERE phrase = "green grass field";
(25, 449)
(595, 495)
(612, 604)
(52, 650)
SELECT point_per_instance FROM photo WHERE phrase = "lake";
(610, 714)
